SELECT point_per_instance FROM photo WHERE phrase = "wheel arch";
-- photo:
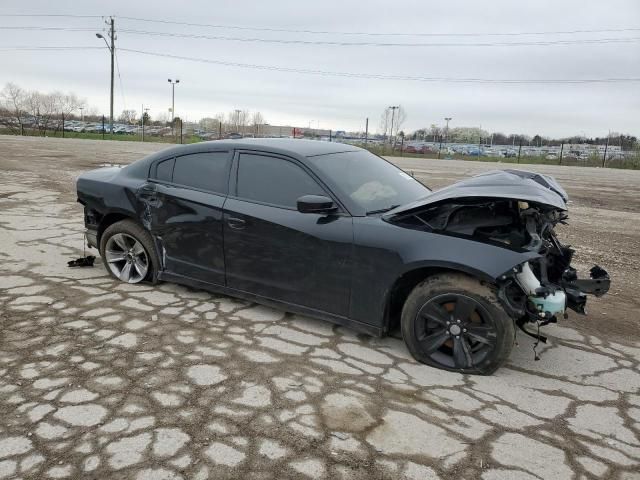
(407, 281)
(113, 217)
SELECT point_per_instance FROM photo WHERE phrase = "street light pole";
(393, 112)
(173, 102)
(446, 135)
(112, 48)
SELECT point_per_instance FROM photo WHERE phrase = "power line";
(27, 47)
(385, 77)
(403, 34)
(48, 15)
(124, 103)
(381, 44)
(580, 41)
(41, 28)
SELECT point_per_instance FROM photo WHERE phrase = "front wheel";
(128, 253)
(455, 322)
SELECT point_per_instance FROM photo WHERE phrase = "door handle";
(236, 223)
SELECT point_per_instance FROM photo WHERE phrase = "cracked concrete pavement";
(100, 379)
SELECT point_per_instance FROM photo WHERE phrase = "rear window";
(205, 171)
(164, 170)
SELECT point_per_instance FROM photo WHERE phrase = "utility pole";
(81, 113)
(386, 123)
(173, 103)
(112, 50)
(366, 130)
(519, 150)
(606, 146)
(144, 110)
(393, 112)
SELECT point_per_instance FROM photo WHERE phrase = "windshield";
(373, 183)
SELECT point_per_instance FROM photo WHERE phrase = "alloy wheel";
(455, 331)
(126, 258)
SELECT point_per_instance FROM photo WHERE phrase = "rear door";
(184, 201)
(274, 251)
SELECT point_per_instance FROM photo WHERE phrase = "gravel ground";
(106, 380)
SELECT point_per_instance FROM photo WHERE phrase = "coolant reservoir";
(555, 303)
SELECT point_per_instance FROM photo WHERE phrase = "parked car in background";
(411, 149)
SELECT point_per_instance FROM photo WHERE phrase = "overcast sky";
(343, 103)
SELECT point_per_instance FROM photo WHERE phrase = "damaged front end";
(519, 211)
(540, 290)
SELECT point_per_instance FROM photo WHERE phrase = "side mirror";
(316, 204)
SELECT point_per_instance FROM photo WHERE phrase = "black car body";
(277, 221)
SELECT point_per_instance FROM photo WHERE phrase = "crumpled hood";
(511, 184)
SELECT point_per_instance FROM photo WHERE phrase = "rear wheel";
(128, 253)
(455, 322)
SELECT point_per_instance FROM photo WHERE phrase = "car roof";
(306, 148)
(285, 146)
(291, 147)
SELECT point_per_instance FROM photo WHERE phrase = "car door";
(274, 251)
(184, 201)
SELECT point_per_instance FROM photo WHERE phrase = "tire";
(134, 244)
(479, 335)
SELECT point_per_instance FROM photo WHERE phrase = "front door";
(187, 195)
(274, 251)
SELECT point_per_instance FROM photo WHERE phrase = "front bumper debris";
(577, 289)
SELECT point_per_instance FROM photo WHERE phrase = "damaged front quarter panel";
(517, 211)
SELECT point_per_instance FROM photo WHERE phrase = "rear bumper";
(92, 237)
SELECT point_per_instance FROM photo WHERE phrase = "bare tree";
(257, 122)
(435, 131)
(220, 123)
(398, 121)
(208, 124)
(12, 107)
(162, 119)
(243, 120)
(233, 120)
(65, 105)
(41, 108)
(128, 116)
(385, 119)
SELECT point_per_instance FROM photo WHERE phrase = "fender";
(384, 253)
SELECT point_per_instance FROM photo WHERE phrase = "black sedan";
(332, 231)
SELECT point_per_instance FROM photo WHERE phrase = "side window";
(164, 170)
(274, 180)
(208, 171)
